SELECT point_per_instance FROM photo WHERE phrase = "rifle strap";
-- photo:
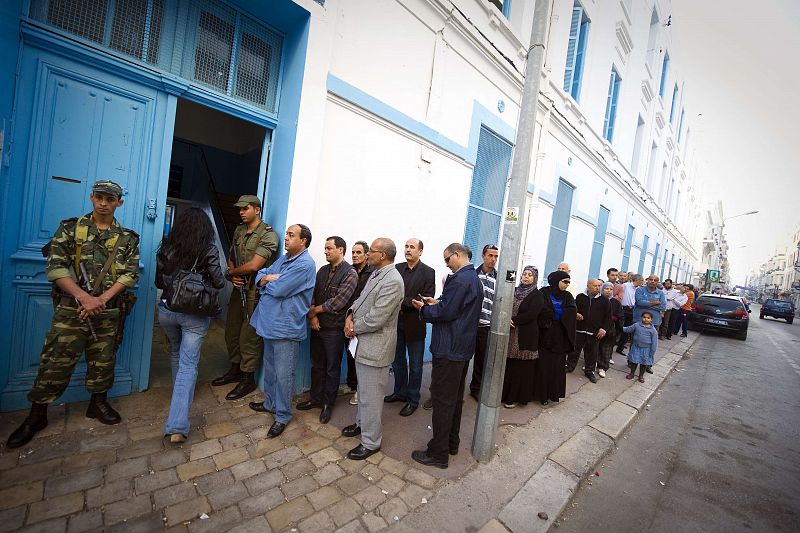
(99, 281)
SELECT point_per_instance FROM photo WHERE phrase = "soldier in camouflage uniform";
(85, 320)
(254, 246)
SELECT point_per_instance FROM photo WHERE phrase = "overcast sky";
(742, 69)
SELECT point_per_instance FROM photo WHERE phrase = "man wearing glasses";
(371, 326)
(455, 317)
(418, 278)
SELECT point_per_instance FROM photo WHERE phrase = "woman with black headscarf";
(523, 341)
(556, 338)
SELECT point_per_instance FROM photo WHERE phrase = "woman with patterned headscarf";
(556, 338)
(523, 341)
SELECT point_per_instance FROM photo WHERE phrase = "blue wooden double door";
(76, 123)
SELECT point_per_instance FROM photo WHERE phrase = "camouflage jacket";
(94, 253)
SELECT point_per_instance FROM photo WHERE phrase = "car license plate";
(716, 321)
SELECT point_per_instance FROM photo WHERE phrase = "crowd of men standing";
(375, 310)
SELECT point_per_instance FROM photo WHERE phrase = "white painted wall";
(359, 176)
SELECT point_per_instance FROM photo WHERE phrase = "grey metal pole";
(510, 246)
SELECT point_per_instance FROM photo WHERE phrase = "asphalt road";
(718, 448)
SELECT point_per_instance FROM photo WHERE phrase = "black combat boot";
(246, 385)
(100, 409)
(36, 421)
(231, 376)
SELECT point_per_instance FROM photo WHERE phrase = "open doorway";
(215, 158)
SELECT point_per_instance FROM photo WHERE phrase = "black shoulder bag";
(191, 294)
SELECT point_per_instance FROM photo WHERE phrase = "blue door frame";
(50, 64)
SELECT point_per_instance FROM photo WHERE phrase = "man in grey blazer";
(371, 324)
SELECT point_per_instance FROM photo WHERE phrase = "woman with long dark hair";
(557, 321)
(189, 246)
(523, 341)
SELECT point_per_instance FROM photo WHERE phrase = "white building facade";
(407, 123)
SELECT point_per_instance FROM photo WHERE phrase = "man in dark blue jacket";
(455, 318)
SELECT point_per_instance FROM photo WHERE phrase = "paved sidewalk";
(78, 475)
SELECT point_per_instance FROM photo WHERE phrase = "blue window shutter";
(626, 253)
(611, 106)
(643, 256)
(577, 76)
(559, 227)
(572, 46)
(507, 9)
(599, 242)
(674, 101)
(680, 125)
(664, 70)
(671, 263)
(655, 258)
(664, 263)
(488, 191)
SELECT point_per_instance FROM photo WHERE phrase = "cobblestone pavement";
(78, 475)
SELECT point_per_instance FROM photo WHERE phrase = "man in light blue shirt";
(286, 289)
(650, 298)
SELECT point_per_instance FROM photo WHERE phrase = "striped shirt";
(489, 281)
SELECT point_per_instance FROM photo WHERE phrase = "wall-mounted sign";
(512, 215)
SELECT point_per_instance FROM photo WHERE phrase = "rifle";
(89, 289)
(242, 290)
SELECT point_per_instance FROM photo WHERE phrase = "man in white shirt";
(670, 293)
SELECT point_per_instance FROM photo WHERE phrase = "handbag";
(191, 294)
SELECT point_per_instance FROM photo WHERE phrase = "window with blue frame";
(576, 51)
(559, 226)
(680, 125)
(664, 70)
(655, 258)
(205, 41)
(674, 103)
(488, 190)
(503, 5)
(599, 242)
(611, 105)
(643, 255)
(626, 252)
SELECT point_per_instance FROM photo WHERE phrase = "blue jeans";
(185, 334)
(408, 377)
(280, 358)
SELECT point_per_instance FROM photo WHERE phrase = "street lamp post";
(722, 237)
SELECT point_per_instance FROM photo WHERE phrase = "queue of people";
(373, 310)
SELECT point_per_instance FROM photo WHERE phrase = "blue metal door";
(76, 124)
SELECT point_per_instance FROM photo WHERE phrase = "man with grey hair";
(371, 324)
(454, 317)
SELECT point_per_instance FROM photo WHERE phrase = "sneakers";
(610, 361)
(354, 399)
(601, 373)
(511, 405)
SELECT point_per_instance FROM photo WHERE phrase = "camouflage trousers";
(68, 338)
(244, 345)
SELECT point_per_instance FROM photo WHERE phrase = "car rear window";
(722, 303)
(781, 303)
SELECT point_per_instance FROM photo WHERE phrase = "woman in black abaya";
(556, 338)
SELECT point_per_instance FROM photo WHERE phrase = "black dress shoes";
(275, 429)
(428, 405)
(408, 410)
(392, 398)
(422, 457)
(246, 385)
(359, 453)
(648, 369)
(233, 375)
(308, 404)
(325, 415)
(591, 377)
(453, 451)
(351, 431)
(258, 407)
